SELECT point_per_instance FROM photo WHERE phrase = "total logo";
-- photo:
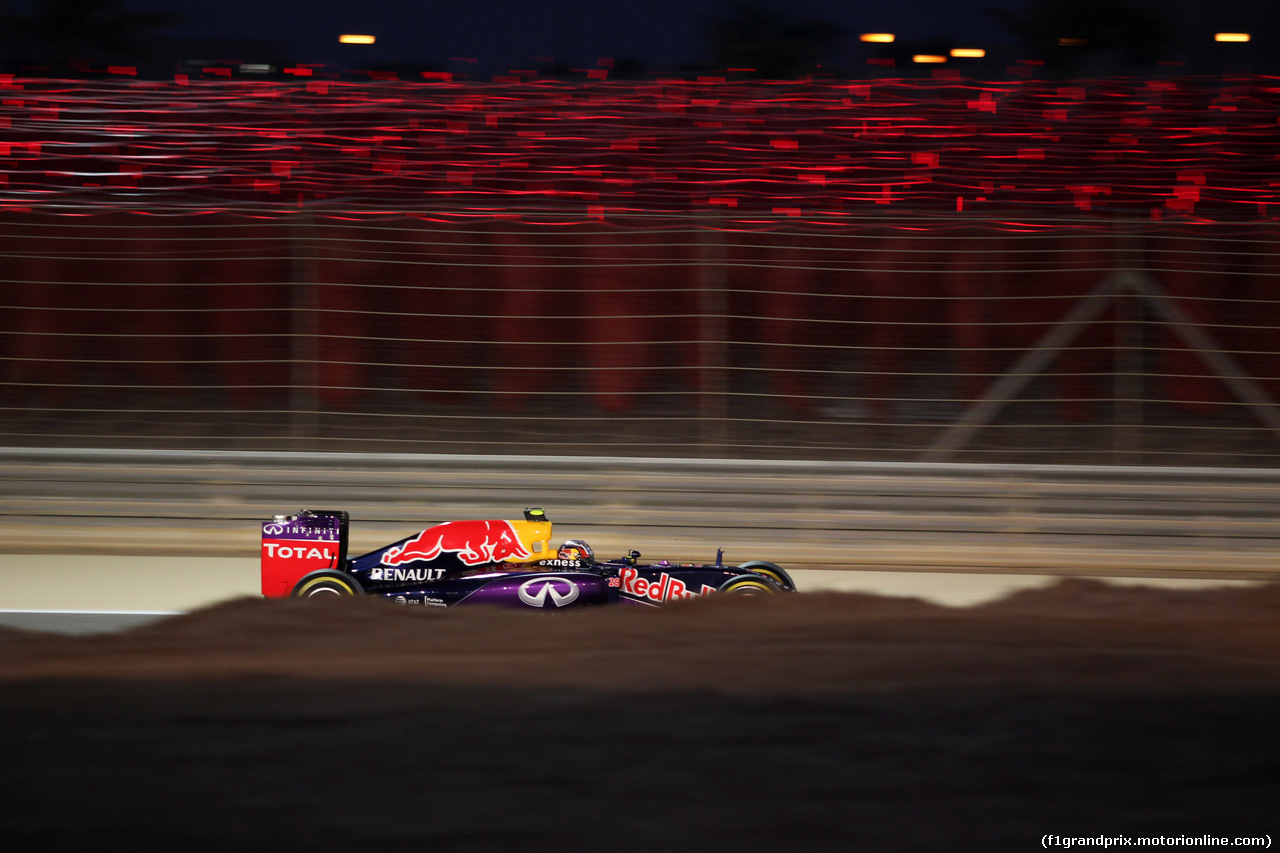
(665, 588)
(536, 591)
(297, 551)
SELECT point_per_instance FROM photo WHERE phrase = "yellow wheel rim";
(308, 587)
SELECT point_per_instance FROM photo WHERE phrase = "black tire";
(327, 584)
(772, 571)
(752, 584)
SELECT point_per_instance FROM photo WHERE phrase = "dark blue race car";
(486, 562)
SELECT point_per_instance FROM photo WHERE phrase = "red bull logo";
(475, 543)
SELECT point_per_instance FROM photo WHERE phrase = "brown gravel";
(825, 721)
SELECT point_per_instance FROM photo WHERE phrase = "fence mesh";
(1101, 340)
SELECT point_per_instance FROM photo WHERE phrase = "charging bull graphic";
(475, 543)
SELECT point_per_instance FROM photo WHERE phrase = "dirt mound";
(1085, 597)
(812, 722)
(1076, 633)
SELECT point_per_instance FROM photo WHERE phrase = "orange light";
(1072, 42)
(349, 39)
(878, 38)
(1237, 37)
(928, 58)
(968, 52)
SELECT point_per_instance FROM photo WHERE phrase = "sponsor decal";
(665, 588)
(475, 543)
(303, 551)
(406, 574)
(535, 592)
(318, 530)
(563, 564)
(433, 602)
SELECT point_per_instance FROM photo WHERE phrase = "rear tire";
(749, 585)
(327, 584)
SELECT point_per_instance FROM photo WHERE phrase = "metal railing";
(838, 515)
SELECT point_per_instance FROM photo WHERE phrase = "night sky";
(504, 34)
(499, 36)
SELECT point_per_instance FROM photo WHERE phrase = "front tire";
(327, 584)
(772, 571)
(749, 585)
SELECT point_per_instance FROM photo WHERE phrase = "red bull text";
(665, 588)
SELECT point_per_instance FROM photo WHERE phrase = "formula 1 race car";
(486, 562)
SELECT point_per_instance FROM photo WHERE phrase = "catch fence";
(911, 337)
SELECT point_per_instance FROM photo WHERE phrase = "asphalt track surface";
(86, 594)
(81, 621)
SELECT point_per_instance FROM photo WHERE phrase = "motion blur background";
(1039, 234)
(988, 295)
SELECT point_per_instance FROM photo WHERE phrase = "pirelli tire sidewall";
(751, 584)
(772, 571)
(327, 583)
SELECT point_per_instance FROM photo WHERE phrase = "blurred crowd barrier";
(1103, 520)
(1148, 147)
(1050, 340)
(946, 269)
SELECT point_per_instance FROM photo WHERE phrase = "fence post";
(304, 344)
(1130, 337)
(713, 399)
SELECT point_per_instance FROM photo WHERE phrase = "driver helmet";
(576, 549)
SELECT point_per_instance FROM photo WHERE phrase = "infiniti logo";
(535, 591)
(272, 529)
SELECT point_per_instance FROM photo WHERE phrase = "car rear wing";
(296, 545)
